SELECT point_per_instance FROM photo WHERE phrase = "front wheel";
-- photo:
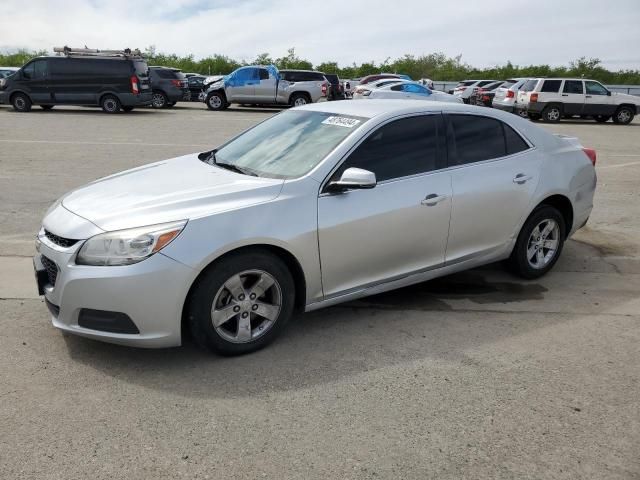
(623, 116)
(539, 243)
(216, 101)
(21, 102)
(242, 303)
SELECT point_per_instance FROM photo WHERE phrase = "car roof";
(375, 108)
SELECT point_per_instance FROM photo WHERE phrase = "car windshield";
(289, 144)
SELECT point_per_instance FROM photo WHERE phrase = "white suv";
(554, 98)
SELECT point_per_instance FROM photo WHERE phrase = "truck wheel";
(298, 100)
(110, 104)
(159, 100)
(601, 118)
(216, 101)
(552, 114)
(623, 116)
(21, 102)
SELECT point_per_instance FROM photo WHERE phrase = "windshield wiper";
(210, 158)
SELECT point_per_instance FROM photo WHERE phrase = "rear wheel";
(298, 100)
(159, 100)
(552, 114)
(539, 243)
(623, 116)
(242, 304)
(46, 107)
(21, 102)
(110, 104)
(601, 118)
(216, 101)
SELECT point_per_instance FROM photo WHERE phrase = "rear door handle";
(521, 178)
(433, 199)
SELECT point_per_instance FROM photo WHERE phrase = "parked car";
(169, 86)
(6, 71)
(381, 76)
(406, 90)
(465, 88)
(483, 96)
(196, 85)
(551, 99)
(113, 81)
(228, 243)
(506, 95)
(265, 85)
(361, 90)
(336, 89)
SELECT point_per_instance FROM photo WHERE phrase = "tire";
(110, 104)
(46, 107)
(299, 99)
(623, 116)
(521, 262)
(533, 116)
(601, 118)
(21, 102)
(216, 101)
(241, 273)
(552, 114)
(127, 109)
(159, 99)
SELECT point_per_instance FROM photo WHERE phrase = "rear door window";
(573, 86)
(551, 86)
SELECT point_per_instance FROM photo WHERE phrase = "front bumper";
(151, 293)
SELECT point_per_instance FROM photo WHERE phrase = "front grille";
(52, 269)
(60, 241)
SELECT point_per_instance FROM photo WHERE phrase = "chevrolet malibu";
(315, 206)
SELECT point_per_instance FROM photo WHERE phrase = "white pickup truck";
(265, 85)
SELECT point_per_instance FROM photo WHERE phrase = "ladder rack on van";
(94, 52)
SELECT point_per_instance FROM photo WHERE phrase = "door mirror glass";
(353, 179)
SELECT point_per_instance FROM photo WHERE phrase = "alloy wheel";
(543, 243)
(246, 306)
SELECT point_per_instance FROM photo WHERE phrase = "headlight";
(124, 247)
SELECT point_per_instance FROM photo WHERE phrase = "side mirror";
(353, 179)
(608, 93)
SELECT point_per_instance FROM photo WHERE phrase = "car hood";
(176, 189)
(625, 97)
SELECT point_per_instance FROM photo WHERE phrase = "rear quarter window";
(529, 85)
(551, 86)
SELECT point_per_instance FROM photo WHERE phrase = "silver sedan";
(315, 206)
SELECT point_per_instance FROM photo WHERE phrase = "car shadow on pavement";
(335, 343)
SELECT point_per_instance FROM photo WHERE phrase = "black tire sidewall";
(631, 115)
(295, 96)
(164, 100)
(518, 260)
(27, 102)
(110, 97)
(546, 111)
(204, 292)
(222, 101)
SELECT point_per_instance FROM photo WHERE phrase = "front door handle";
(521, 178)
(433, 199)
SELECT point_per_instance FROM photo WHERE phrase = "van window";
(35, 70)
(551, 86)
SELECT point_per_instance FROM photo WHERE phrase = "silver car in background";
(506, 97)
(402, 90)
(315, 206)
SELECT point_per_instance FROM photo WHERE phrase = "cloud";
(485, 33)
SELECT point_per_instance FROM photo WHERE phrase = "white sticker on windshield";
(341, 121)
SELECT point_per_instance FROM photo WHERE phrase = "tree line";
(436, 66)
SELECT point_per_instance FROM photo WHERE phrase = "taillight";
(324, 89)
(510, 94)
(533, 98)
(485, 98)
(176, 83)
(134, 85)
(591, 153)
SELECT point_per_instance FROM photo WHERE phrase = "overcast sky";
(486, 33)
